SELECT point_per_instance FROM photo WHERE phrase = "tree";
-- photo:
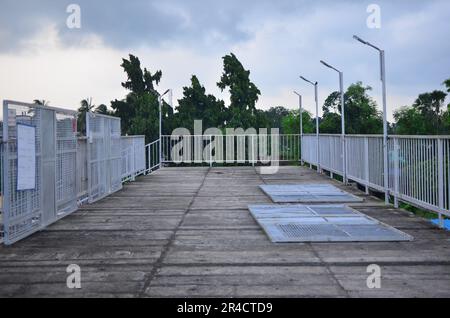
(139, 81)
(330, 123)
(430, 105)
(447, 85)
(361, 114)
(102, 109)
(426, 116)
(263, 121)
(196, 105)
(275, 117)
(243, 93)
(291, 123)
(41, 102)
(139, 110)
(86, 106)
(409, 121)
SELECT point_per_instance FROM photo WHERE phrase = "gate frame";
(6, 170)
(108, 172)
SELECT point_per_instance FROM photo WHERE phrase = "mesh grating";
(374, 232)
(296, 230)
(308, 193)
(324, 223)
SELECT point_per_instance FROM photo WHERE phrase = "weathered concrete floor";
(187, 232)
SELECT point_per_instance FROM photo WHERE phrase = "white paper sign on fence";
(26, 154)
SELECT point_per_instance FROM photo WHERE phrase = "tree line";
(139, 110)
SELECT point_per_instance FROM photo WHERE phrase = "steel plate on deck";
(322, 223)
(308, 193)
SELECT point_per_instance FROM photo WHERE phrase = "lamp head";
(326, 64)
(357, 38)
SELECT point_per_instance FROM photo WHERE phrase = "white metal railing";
(230, 149)
(152, 157)
(1, 190)
(133, 157)
(82, 170)
(419, 166)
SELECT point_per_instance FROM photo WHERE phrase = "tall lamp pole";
(160, 100)
(315, 84)
(385, 127)
(301, 124)
(341, 87)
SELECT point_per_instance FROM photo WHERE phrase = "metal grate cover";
(308, 193)
(322, 223)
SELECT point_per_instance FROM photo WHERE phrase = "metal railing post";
(210, 151)
(253, 150)
(366, 164)
(344, 161)
(440, 163)
(396, 171)
(149, 159)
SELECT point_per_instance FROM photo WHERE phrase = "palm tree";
(102, 109)
(41, 102)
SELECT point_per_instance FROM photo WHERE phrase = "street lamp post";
(315, 84)
(160, 100)
(301, 124)
(341, 88)
(385, 127)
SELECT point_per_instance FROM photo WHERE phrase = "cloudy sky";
(41, 58)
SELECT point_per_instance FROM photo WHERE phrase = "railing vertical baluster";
(440, 162)
(253, 151)
(366, 163)
(419, 169)
(396, 170)
(210, 151)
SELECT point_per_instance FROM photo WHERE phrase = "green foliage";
(275, 117)
(330, 123)
(139, 81)
(147, 122)
(447, 85)
(196, 105)
(243, 93)
(41, 102)
(291, 123)
(426, 116)
(139, 110)
(361, 114)
(102, 109)
(332, 103)
(263, 120)
(409, 121)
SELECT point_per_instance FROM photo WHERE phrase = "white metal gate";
(51, 192)
(133, 156)
(104, 155)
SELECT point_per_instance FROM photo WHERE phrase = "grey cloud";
(276, 40)
(125, 23)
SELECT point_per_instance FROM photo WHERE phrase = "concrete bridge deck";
(186, 232)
